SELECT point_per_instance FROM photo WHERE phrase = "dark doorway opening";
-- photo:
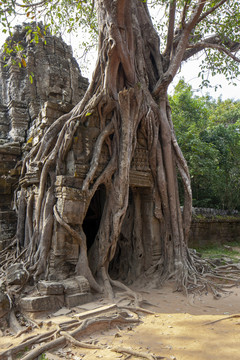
(92, 219)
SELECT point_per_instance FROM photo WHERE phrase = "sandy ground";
(178, 329)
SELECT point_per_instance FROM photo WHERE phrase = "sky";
(190, 72)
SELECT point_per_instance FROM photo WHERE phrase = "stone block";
(50, 288)
(71, 250)
(69, 181)
(12, 148)
(77, 299)
(70, 204)
(71, 286)
(42, 303)
(78, 284)
(83, 284)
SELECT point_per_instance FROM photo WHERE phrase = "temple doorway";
(92, 219)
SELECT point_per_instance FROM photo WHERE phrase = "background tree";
(128, 96)
(225, 190)
(225, 112)
(208, 134)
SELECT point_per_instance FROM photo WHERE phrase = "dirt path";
(177, 329)
(180, 336)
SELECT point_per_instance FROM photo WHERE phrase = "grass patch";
(210, 217)
(220, 251)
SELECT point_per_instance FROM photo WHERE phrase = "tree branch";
(163, 82)
(92, 9)
(214, 42)
(184, 13)
(221, 48)
(211, 10)
(31, 5)
(171, 24)
(195, 15)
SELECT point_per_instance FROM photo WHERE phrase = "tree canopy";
(186, 28)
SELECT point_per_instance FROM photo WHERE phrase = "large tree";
(128, 95)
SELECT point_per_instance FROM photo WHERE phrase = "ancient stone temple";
(31, 98)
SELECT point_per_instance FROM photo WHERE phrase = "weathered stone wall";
(205, 231)
(28, 108)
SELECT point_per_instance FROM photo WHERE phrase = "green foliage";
(219, 251)
(60, 17)
(224, 23)
(225, 112)
(13, 48)
(210, 140)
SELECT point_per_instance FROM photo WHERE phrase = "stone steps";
(53, 295)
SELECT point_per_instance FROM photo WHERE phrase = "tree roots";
(203, 275)
(58, 338)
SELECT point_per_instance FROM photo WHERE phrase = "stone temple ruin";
(26, 111)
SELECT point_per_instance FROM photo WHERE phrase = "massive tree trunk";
(128, 99)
